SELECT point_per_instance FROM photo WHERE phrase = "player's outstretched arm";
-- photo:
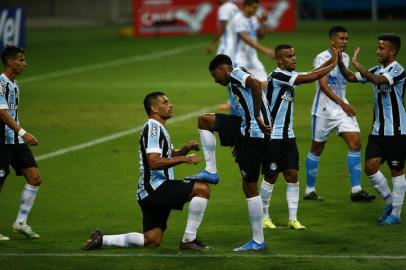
(256, 45)
(27, 137)
(348, 75)
(220, 31)
(365, 72)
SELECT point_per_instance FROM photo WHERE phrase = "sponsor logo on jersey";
(154, 130)
(287, 97)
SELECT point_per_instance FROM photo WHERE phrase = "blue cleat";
(390, 220)
(205, 176)
(386, 212)
(251, 246)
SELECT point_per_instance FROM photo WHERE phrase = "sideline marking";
(226, 255)
(117, 135)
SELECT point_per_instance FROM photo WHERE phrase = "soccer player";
(251, 141)
(283, 153)
(387, 141)
(14, 140)
(332, 111)
(158, 193)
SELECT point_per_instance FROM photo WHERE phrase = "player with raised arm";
(282, 153)
(332, 111)
(387, 141)
(158, 193)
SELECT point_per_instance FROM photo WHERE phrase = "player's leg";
(4, 171)
(265, 192)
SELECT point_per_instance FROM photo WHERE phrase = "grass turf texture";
(95, 187)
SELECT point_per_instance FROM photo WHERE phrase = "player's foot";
(267, 223)
(390, 220)
(205, 176)
(193, 245)
(95, 241)
(362, 196)
(25, 230)
(312, 196)
(251, 246)
(294, 224)
(386, 212)
(4, 238)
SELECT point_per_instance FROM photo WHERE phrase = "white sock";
(124, 240)
(310, 189)
(380, 184)
(197, 206)
(398, 194)
(292, 196)
(209, 149)
(27, 200)
(266, 196)
(255, 215)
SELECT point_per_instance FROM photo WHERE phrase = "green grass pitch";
(84, 84)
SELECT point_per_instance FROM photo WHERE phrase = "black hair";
(150, 98)
(10, 52)
(336, 29)
(393, 39)
(218, 60)
(250, 2)
(281, 47)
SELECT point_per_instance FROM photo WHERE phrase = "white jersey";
(323, 106)
(224, 14)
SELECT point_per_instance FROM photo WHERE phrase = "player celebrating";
(387, 140)
(158, 193)
(282, 153)
(331, 111)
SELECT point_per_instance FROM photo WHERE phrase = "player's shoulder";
(228, 6)
(324, 55)
(397, 68)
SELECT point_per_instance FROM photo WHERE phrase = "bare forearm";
(9, 121)
(181, 152)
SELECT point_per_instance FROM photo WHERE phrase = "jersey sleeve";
(361, 78)
(395, 74)
(242, 26)
(3, 101)
(240, 76)
(285, 78)
(319, 60)
(153, 145)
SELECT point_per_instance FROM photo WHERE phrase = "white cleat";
(4, 238)
(25, 230)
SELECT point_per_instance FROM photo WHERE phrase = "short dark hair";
(281, 47)
(336, 29)
(150, 98)
(250, 2)
(218, 60)
(10, 52)
(393, 39)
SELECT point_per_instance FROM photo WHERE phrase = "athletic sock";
(255, 216)
(312, 167)
(292, 196)
(380, 184)
(124, 240)
(197, 206)
(28, 196)
(354, 168)
(398, 194)
(209, 149)
(266, 196)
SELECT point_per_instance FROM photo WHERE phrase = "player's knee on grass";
(206, 121)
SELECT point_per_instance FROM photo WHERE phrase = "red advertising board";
(173, 17)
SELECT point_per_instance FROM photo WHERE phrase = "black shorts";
(171, 194)
(280, 156)
(19, 156)
(250, 157)
(228, 127)
(390, 148)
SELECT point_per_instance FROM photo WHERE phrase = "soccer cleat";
(267, 223)
(4, 238)
(390, 220)
(193, 245)
(25, 230)
(251, 246)
(312, 196)
(362, 196)
(294, 224)
(205, 176)
(386, 212)
(95, 241)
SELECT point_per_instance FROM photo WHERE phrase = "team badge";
(273, 166)
(2, 173)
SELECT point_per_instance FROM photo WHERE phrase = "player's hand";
(193, 145)
(348, 109)
(30, 139)
(264, 127)
(334, 58)
(354, 59)
(192, 159)
(210, 48)
(270, 53)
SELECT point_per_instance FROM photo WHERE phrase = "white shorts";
(322, 127)
(253, 65)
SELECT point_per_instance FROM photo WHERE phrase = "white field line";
(117, 135)
(214, 256)
(114, 63)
